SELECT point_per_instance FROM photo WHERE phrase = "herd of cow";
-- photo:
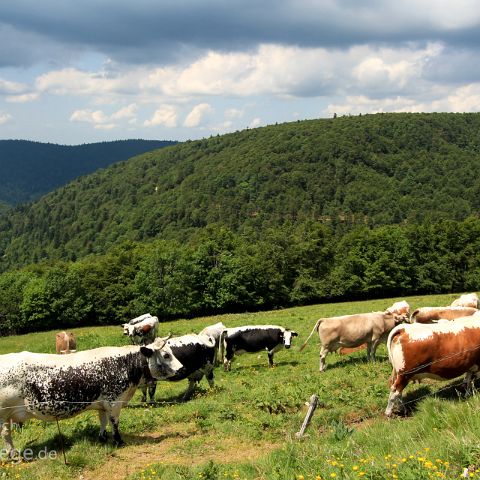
(434, 342)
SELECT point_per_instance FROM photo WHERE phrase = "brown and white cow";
(65, 342)
(441, 351)
(354, 330)
(466, 300)
(433, 314)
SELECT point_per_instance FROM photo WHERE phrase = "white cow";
(466, 300)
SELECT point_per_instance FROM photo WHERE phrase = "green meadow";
(244, 428)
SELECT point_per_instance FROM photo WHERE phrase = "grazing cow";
(466, 300)
(442, 351)
(142, 332)
(253, 338)
(400, 308)
(353, 330)
(65, 342)
(215, 331)
(196, 354)
(52, 387)
(433, 314)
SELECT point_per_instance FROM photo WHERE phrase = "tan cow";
(65, 342)
(433, 314)
(441, 351)
(354, 330)
(400, 308)
(466, 300)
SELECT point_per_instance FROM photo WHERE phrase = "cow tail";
(311, 333)
(221, 345)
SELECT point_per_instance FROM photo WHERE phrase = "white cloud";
(165, 116)
(11, 88)
(127, 112)
(25, 98)
(89, 116)
(256, 122)
(4, 118)
(465, 99)
(197, 114)
(234, 113)
(105, 126)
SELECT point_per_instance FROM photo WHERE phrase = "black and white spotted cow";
(53, 387)
(196, 353)
(254, 338)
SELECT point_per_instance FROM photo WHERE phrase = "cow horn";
(165, 340)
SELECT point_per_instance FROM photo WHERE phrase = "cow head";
(401, 318)
(161, 361)
(287, 337)
(128, 329)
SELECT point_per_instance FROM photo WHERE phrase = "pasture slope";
(244, 428)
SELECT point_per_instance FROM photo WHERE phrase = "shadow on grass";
(453, 392)
(354, 360)
(59, 444)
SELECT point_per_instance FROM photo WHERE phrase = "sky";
(83, 71)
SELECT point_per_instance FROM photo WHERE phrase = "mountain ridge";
(367, 170)
(30, 169)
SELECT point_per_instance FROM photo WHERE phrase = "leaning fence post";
(311, 408)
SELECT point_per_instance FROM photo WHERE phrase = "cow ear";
(294, 334)
(146, 352)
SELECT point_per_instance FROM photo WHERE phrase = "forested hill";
(370, 170)
(28, 170)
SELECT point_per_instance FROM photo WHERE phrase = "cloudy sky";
(81, 71)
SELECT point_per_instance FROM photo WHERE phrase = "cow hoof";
(119, 443)
(103, 437)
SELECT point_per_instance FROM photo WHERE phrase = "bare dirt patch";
(179, 448)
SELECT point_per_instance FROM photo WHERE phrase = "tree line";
(219, 270)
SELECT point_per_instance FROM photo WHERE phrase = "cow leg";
(152, 387)
(190, 389)
(372, 349)
(7, 437)
(209, 375)
(143, 389)
(323, 353)
(270, 358)
(103, 417)
(227, 363)
(395, 397)
(114, 417)
(468, 381)
(116, 432)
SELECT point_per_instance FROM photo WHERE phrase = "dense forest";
(30, 169)
(370, 170)
(222, 271)
(310, 211)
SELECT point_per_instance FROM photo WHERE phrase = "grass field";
(245, 427)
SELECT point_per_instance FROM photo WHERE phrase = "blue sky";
(76, 72)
